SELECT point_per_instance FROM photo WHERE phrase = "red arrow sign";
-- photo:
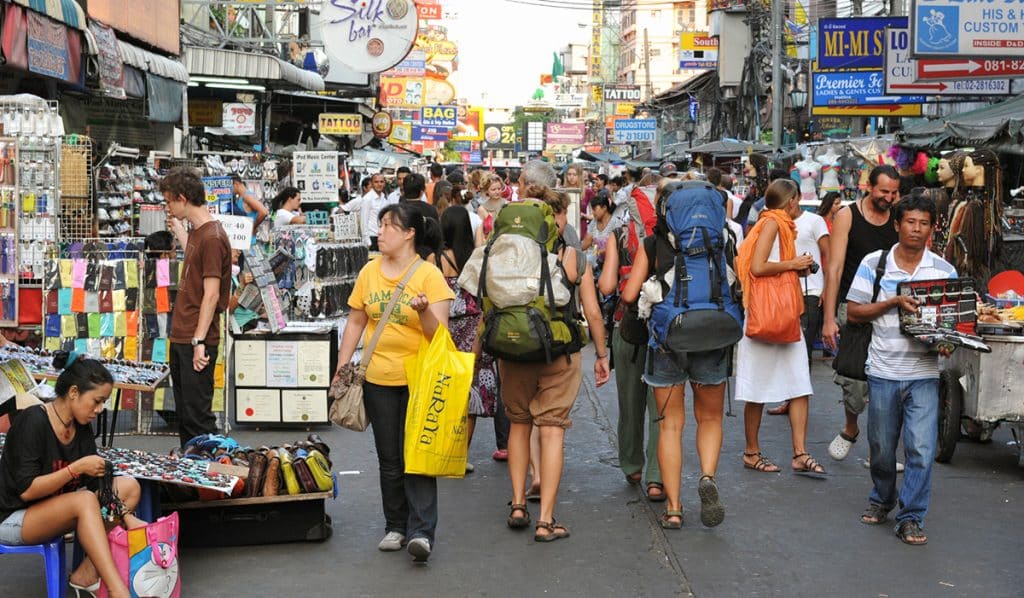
(935, 87)
(968, 69)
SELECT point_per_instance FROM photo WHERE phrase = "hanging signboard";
(315, 174)
(382, 123)
(368, 37)
(331, 123)
(401, 133)
(901, 73)
(877, 110)
(238, 229)
(500, 136)
(413, 65)
(218, 189)
(401, 92)
(855, 88)
(622, 93)
(439, 117)
(697, 50)
(631, 130)
(205, 113)
(239, 119)
(566, 134)
(937, 68)
(952, 28)
(570, 100)
(111, 62)
(428, 10)
(470, 125)
(856, 43)
(420, 133)
(47, 46)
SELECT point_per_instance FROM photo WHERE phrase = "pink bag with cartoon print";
(147, 558)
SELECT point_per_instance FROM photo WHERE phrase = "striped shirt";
(892, 355)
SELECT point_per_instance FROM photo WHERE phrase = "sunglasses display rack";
(8, 231)
(127, 374)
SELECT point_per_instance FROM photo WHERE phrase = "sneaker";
(419, 548)
(899, 466)
(712, 512)
(392, 541)
(469, 467)
(500, 455)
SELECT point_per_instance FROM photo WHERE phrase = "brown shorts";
(541, 393)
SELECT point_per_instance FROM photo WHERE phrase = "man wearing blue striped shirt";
(903, 373)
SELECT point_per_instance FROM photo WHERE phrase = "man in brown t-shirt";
(203, 293)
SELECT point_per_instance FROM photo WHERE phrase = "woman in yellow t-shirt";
(409, 501)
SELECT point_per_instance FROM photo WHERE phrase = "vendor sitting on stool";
(50, 471)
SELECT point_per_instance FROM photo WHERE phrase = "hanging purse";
(346, 391)
(855, 338)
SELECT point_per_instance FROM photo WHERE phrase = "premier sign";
(622, 93)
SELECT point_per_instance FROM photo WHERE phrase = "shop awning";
(1000, 126)
(214, 62)
(600, 157)
(65, 11)
(160, 66)
(729, 148)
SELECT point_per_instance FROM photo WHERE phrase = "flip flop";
(660, 488)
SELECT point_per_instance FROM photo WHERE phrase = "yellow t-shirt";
(401, 338)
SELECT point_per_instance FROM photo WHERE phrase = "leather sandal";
(661, 496)
(556, 531)
(521, 522)
(762, 464)
(668, 519)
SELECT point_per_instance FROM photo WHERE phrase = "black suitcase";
(253, 521)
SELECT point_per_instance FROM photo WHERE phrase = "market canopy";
(1000, 126)
(64, 11)
(215, 62)
(729, 148)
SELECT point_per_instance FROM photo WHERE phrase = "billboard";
(470, 124)
(854, 44)
(955, 28)
(401, 92)
(439, 117)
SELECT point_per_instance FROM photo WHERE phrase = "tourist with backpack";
(772, 361)
(694, 320)
(531, 287)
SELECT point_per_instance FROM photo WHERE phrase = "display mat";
(946, 313)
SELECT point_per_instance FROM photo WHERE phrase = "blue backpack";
(699, 311)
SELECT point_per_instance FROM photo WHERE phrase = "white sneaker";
(419, 548)
(469, 467)
(899, 466)
(392, 541)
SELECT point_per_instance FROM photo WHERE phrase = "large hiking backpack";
(699, 311)
(530, 310)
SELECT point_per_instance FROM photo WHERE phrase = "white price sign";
(239, 230)
(901, 73)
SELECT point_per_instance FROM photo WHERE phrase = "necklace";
(67, 424)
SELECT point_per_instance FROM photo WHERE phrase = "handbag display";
(346, 389)
(774, 308)
(855, 338)
(147, 558)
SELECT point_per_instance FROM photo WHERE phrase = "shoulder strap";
(385, 317)
(879, 273)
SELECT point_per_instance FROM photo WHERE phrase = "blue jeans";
(409, 501)
(910, 407)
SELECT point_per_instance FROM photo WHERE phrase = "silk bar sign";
(622, 93)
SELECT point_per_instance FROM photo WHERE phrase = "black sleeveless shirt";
(864, 238)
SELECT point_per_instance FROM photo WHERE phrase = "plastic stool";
(53, 556)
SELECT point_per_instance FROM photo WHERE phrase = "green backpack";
(538, 329)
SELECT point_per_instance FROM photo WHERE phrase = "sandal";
(668, 520)
(875, 514)
(909, 532)
(660, 496)
(634, 478)
(810, 467)
(762, 464)
(556, 531)
(518, 522)
(533, 494)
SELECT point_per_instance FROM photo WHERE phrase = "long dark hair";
(78, 370)
(282, 197)
(827, 202)
(427, 239)
(458, 235)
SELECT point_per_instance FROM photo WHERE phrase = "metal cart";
(979, 391)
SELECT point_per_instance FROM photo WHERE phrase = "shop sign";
(401, 132)
(631, 130)
(427, 10)
(401, 92)
(239, 119)
(219, 189)
(901, 73)
(856, 89)
(994, 68)
(960, 28)
(368, 36)
(315, 174)
(596, 39)
(622, 93)
(47, 46)
(205, 113)
(500, 136)
(624, 109)
(111, 63)
(697, 50)
(475, 157)
(439, 117)
(856, 43)
(566, 134)
(413, 65)
(470, 125)
(331, 123)
(609, 121)
(439, 49)
(420, 133)
(382, 123)
(570, 100)
(238, 229)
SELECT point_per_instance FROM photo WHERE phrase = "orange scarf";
(787, 247)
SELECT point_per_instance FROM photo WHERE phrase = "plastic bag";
(436, 432)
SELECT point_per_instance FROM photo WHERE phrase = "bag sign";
(340, 124)
(439, 117)
(630, 130)
(239, 230)
(955, 28)
(622, 93)
(901, 73)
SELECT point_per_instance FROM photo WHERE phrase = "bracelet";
(74, 476)
(605, 356)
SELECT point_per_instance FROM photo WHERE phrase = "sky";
(504, 47)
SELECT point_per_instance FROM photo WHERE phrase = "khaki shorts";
(855, 392)
(541, 393)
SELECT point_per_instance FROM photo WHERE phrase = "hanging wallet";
(306, 481)
(320, 467)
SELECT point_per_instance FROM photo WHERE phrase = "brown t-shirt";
(207, 255)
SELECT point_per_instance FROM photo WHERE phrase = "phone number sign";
(954, 28)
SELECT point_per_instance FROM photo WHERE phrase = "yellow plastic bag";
(436, 433)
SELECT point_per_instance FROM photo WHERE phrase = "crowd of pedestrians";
(632, 261)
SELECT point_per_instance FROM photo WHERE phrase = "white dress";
(768, 373)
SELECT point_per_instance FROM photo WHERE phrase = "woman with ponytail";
(50, 469)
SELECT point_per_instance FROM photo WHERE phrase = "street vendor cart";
(979, 391)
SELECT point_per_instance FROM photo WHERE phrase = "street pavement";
(783, 535)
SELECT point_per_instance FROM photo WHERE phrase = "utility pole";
(777, 82)
(647, 67)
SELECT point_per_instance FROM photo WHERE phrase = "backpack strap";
(879, 273)
(481, 290)
(715, 269)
